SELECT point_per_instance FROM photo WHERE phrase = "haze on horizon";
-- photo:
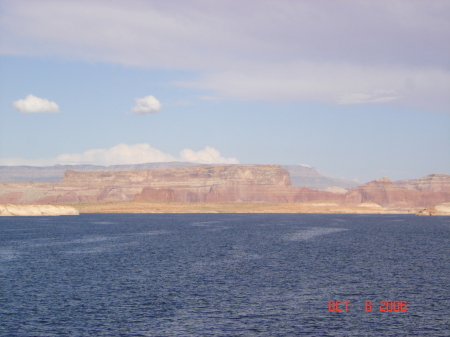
(358, 89)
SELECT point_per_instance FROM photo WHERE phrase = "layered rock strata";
(216, 184)
(236, 183)
(385, 193)
(301, 175)
(430, 183)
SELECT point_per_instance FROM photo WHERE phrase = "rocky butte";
(235, 183)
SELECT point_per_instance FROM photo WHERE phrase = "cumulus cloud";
(33, 104)
(124, 154)
(147, 105)
(119, 154)
(208, 155)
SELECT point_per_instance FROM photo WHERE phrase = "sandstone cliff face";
(336, 190)
(430, 183)
(273, 175)
(36, 210)
(441, 209)
(385, 193)
(305, 195)
(237, 183)
(240, 183)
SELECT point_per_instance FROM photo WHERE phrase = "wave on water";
(104, 223)
(204, 223)
(7, 254)
(310, 233)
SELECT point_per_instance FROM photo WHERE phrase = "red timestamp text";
(385, 306)
(389, 306)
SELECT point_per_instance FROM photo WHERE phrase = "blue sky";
(359, 90)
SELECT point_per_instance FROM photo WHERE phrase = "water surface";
(223, 275)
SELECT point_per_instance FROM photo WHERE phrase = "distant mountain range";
(223, 184)
(301, 176)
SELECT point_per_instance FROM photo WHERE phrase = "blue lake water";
(223, 275)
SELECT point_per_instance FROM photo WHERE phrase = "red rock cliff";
(236, 183)
(385, 193)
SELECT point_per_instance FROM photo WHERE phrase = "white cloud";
(119, 154)
(332, 83)
(207, 156)
(33, 104)
(147, 105)
(379, 97)
(281, 50)
(124, 154)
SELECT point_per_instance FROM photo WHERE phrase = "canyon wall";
(225, 184)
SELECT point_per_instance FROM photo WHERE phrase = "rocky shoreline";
(36, 210)
(441, 209)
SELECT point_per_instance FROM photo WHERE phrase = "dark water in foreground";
(223, 275)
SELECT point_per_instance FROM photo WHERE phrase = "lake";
(225, 275)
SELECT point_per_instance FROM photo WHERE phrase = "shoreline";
(124, 207)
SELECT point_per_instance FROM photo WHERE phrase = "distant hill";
(304, 176)
(301, 176)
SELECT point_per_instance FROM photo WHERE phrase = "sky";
(357, 89)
